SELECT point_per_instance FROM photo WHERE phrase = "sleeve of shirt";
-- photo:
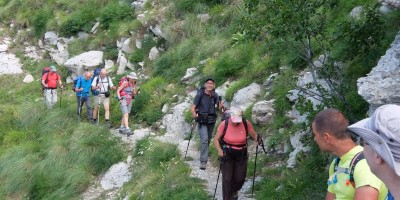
(363, 176)
(94, 81)
(330, 187)
(197, 98)
(78, 83)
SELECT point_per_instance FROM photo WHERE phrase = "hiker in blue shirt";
(380, 135)
(83, 87)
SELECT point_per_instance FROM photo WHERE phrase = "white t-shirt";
(103, 83)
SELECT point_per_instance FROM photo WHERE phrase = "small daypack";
(350, 171)
(122, 92)
(221, 140)
(75, 81)
(96, 73)
(44, 71)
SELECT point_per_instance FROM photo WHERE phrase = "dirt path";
(95, 191)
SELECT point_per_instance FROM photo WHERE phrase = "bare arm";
(366, 193)
(329, 196)
(217, 145)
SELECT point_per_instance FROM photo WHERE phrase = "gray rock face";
(381, 86)
(154, 53)
(392, 3)
(51, 37)
(189, 77)
(298, 147)
(175, 122)
(246, 96)
(9, 64)
(356, 12)
(263, 112)
(116, 176)
(85, 61)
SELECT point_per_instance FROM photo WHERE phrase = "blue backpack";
(96, 73)
(75, 81)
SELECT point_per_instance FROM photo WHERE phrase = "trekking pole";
(254, 172)
(221, 159)
(190, 137)
(98, 111)
(79, 108)
(61, 96)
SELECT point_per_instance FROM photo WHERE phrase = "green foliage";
(115, 12)
(40, 21)
(231, 62)
(137, 56)
(81, 20)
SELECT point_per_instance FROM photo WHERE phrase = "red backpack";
(124, 78)
(44, 71)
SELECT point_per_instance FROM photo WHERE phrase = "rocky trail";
(107, 186)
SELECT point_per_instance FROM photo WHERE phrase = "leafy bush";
(40, 21)
(81, 20)
(137, 56)
(231, 62)
(115, 12)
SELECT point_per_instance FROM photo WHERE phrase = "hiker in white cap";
(125, 94)
(380, 135)
(349, 174)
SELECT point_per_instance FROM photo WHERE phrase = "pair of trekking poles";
(221, 160)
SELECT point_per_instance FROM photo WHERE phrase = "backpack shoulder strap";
(245, 125)
(359, 156)
(225, 127)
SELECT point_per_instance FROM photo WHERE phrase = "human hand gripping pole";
(190, 137)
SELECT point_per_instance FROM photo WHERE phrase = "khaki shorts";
(101, 98)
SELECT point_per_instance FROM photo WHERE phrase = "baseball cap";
(236, 115)
(132, 75)
(53, 68)
(382, 133)
(209, 79)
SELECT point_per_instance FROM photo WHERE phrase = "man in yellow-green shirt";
(330, 133)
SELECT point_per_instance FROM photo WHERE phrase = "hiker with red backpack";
(50, 78)
(231, 143)
(102, 84)
(125, 95)
(350, 176)
(82, 89)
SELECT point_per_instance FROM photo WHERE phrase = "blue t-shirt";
(86, 85)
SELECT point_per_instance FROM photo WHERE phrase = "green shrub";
(115, 12)
(231, 62)
(81, 20)
(137, 56)
(40, 21)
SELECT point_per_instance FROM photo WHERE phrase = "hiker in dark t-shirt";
(203, 110)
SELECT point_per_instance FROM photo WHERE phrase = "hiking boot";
(108, 124)
(236, 195)
(121, 130)
(128, 132)
(203, 165)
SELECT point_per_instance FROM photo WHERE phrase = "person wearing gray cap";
(204, 109)
(349, 174)
(380, 135)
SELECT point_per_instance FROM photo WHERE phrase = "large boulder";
(263, 112)
(28, 79)
(175, 122)
(245, 97)
(85, 61)
(381, 86)
(391, 3)
(9, 64)
(51, 38)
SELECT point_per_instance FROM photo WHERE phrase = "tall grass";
(161, 174)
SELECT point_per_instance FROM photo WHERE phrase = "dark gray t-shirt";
(206, 103)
